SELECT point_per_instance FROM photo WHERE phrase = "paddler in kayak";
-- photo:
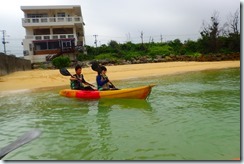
(103, 82)
(77, 82)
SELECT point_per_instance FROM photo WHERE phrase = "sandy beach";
(35, 79)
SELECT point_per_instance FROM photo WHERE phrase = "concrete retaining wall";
(9, 64)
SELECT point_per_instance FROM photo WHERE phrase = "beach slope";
(35, 79)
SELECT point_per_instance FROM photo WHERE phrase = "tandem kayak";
(128, 93)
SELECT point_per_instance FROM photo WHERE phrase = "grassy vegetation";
(214, 40)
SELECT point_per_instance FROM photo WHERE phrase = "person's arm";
(85, 82)
(73, 78)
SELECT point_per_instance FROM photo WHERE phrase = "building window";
(61, 14)
(41, 31)
(36, 15)
(53, 45)
(63, 31)
(66, 44)
(41, 46)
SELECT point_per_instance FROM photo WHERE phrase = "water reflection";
(99, 130)
(181, 112)
(109, 104)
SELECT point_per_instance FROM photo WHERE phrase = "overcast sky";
(124, 20)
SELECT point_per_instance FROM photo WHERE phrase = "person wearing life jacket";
(77, 81)
(103, 82)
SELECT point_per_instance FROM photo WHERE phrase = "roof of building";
(77, 8)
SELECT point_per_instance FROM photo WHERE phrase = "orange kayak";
(128, 93)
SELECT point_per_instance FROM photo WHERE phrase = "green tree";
(189, 47)
(176, 45)
(233, 32)
(210, 35)
(61, 62)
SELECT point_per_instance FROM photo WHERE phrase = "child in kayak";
(103, 82)
(77, 81)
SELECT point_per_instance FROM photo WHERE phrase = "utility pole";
(95, 42)
(142, 37)
(4, 42)
(161, 38)
(128, 37)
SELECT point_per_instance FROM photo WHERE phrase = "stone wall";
(172, 58)
(10, 63)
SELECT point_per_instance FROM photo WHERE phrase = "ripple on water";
(187, 117)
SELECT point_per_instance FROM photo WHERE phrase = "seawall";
(9, 64)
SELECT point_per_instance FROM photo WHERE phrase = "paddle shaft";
(24, 139)
(112, 84)
(81, 81)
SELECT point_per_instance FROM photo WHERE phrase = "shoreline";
(43, 79)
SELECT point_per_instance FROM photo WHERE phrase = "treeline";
(214, 40)
(216, 43)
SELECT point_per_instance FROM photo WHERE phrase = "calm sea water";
(192, 116)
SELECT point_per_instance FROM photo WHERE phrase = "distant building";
(52, 31)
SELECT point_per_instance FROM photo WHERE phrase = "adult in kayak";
(78, 82)
(103, 82)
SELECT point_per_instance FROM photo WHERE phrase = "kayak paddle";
(65, 72)
(96, 67)
(24, 139)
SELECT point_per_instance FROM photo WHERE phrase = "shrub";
(108, 56)
(160, 50)
(194, 54)
(131, 55)
(83, 57)
(61, 62)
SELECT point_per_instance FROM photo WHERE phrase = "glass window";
(41, 46)
(36, 15)
(61, 14)
(53, 45)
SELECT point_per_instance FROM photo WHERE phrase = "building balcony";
(51, 21)
(50, 37)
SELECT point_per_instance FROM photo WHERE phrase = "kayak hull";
(128, 93)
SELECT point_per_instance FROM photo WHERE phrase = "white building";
(51, 30)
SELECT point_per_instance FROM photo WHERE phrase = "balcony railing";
(51, 20)
(48, 37)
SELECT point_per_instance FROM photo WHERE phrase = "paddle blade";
(95, 66)
(25, 138)
(64, 72)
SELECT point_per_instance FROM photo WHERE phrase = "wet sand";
(36, 79)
